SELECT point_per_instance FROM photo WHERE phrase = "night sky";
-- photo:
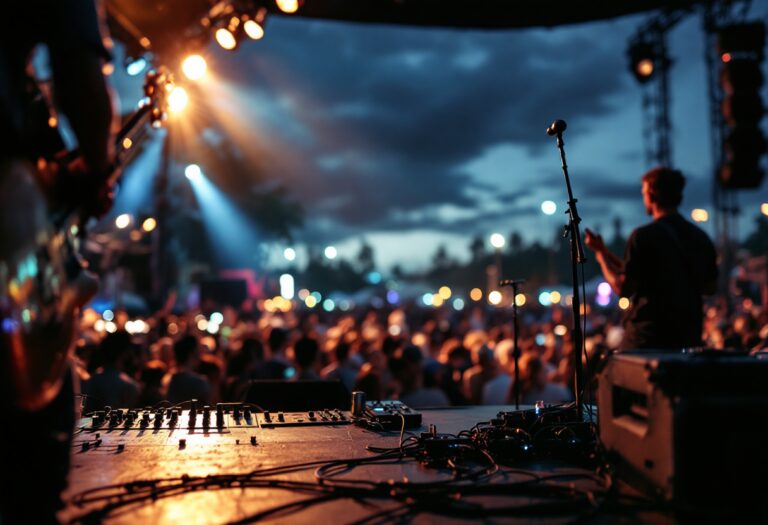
(411, 137)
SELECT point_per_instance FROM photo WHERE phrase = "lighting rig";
(649, 62)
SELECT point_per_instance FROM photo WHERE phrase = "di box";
(690, 428)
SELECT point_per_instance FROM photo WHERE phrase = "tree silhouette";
(365, 258)
(477, 248)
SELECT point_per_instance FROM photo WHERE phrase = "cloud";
(393, 113)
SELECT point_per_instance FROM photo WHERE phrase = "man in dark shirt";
(110, 385)
(35, 446)
(669, 264)
(184, 383)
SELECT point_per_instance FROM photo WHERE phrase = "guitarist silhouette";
(36, 387)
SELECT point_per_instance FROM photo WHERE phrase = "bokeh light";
(548, 207)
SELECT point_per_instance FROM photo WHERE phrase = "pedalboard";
(391, 415)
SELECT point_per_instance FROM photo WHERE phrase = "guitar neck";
(126, 146)
(128, 138)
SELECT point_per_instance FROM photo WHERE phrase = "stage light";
(699, 215)
(445, 292)
(458, 304)
(127, 143)
(644, 68)
(643, 60)
(494, 297)
(217, 318)
(253, 29)
(310, 301)
(329, 305)
(135, 67)
(554, 297)
(123, 221)
(604, 289)
(289, 254)
(427, 299)
(476, 294)
(497, 241)
(194, 67)
(254, 26)
(227, 33)
(560, 330)
(202, 325)
(53, 121)
(303, 294)
(108, 315)
(177, 99)
(437, 300)
(393, 297)
(520, 299)
(225, 39)
(289, 6)
(764, 208)
(193, 172)
(330, 252)
(149, 224)
(548, 207)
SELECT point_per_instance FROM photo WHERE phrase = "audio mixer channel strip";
(226, 416)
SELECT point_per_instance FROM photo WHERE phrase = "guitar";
(42, 278)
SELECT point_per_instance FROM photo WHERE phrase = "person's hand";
(594, 241)
(76, 186)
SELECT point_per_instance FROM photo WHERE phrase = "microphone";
(556, 128)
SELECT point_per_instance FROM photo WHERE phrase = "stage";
(128, 456)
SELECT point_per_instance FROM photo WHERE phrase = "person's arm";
(77, 54)
(610, 264)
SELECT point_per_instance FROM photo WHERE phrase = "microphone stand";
(577, 257)
(515, 284)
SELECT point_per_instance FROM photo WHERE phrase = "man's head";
(186, 351)
(662, 190)
(115, 348)
(306, 351)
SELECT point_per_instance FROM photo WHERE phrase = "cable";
(468, 459)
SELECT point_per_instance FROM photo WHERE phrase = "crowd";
(424, 357)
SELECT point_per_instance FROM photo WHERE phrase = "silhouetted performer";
(35, 446)
(669, 264)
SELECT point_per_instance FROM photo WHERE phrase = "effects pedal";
(390, 415)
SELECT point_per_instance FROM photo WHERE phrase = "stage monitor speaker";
(690, 428)
(298, 396)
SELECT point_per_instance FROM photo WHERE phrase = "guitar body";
(38, 302)
(43, 284)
